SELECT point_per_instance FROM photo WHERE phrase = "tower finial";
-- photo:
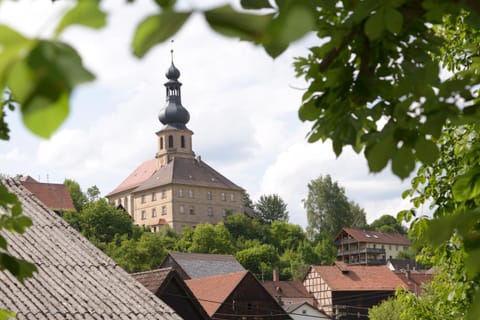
(171, 49)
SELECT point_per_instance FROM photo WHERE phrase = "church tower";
(176, 188)
(174, 139)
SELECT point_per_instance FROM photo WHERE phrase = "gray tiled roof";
(199, 265)
(75, 280)
(188, 171)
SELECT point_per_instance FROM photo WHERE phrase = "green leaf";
(288, 26)
(379, 152)
(156, 29)
(375, 25)
(255, 4)
(403, 162)
(467, 186)
(426, 150)
(19, 268)
(44, 116)
(12, 45)
(166, 4)
(86, 13)
(228, 22)
(393, 20)
(3, 243)
(7, 314)
(440, 230)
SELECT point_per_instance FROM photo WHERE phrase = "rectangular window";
(154, 196)
(210, 211)
(164, 194)
(192, 210)
(180, 193)
(181, 209)
(190, 193)
(143, 198)
(209, 195)
(143, 215)
(223, 197)
(224, 213)
(232, 197)
(154, 213)
(164, 210)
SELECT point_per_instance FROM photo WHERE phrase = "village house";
(176, 188)
(74, 279)
(54, 195)
(236, 296)
(348, 291)
(170, 288)
(365, 247)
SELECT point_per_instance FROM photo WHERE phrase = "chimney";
(276, 275)
(408, 273)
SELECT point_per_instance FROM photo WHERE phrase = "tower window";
(161, 143)
(170, 141)
(182, 141)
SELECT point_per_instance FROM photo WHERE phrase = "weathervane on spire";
(171, 49)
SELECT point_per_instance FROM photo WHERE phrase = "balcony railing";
(361, 251)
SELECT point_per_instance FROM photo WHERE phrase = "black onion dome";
(173, 114)
(172, 73)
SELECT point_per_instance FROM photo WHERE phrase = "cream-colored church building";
(176, 187)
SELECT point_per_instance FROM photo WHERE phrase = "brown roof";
(211, 292)
(198, 265)
(187, 171)
(376, 236)
(54, 195)
(290, 292)
(341, 277)
(153, 279)
(137, 177)
(415, 280)
(75, 280)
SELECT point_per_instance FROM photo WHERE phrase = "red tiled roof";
(415, 280)
(137, 177)
(213, 291)
(291, 292)
(54, 195)
(376, 236)
(359, 278)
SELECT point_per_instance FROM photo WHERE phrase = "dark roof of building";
(376, 236)
(198, 265)
(213, 291)
(153, 279)
(340, 277)
(54, 195)
(289, 292)
(187, 171)
(75, 280)
(405, 264)
(167, 284)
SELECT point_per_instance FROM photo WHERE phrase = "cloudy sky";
(243, 107)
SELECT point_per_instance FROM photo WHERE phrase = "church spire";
(173, 115)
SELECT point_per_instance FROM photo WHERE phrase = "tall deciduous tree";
(388, 223)
(271, 208)
(329, 210)
(78, 197)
